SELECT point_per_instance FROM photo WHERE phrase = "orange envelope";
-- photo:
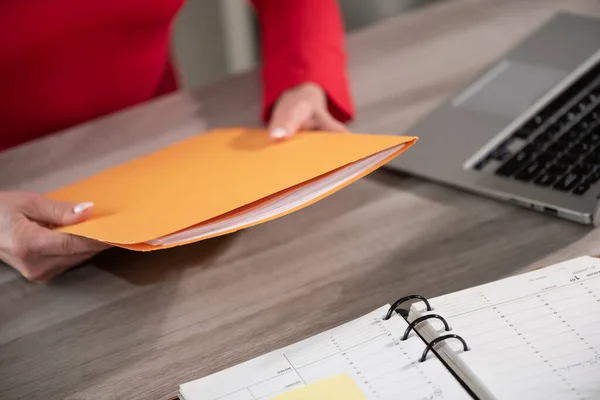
(220, 182)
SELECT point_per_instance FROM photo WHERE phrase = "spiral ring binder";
(404, 300)
(412, 325)
(423, 318)
(441, 339)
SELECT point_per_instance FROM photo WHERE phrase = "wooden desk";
(134, 326)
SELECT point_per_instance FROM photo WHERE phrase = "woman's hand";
(28, 245)
(303, 107)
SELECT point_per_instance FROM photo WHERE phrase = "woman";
(63, 62)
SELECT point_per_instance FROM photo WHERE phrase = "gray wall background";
(215, 38)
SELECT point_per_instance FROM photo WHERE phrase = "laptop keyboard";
(559, 148)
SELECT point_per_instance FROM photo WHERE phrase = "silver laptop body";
(520, 109)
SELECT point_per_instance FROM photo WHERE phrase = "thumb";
(56, 213)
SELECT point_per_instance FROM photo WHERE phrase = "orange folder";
(220, 182)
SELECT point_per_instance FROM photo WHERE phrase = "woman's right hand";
(29, 245)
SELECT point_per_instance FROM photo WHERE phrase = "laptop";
(527, 130)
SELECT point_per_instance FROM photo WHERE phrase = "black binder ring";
(421, 319)
(404, 300)
(440, 339)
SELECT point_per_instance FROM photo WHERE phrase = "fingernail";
(81, 207)
(278, 133)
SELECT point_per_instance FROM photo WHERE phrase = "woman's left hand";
(303, 107)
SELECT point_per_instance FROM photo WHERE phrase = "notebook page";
(533, 336)
(367, 349)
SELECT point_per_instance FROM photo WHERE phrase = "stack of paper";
(220, 182)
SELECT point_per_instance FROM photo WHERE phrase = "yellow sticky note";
(339, 387)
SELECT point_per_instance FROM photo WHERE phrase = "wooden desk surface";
(134, 326)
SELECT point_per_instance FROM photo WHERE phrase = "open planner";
(531, 336)
(220, 182)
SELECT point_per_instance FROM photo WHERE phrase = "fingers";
(303, 107)
(43, 241)
(323, 121)
(288, 118)
(54, 213)
(30, 246)
(39, 253)
(326, 122)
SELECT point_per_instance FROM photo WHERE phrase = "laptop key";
(593, 178)
(564, 121)
(570, 158)
(590, 119)
(529, 172)
(558, 169)
(509, 168)
(581, 189)
(552, 131)
(516, 162)
(581, 148)
(585, 103)
(542, 139)
(523, 133)
(583, 169)
(548, 134)
(546, 179)
(574, 134)
(523, 157)
(503, 155)
(550, 155)
(593, 138)
(586, 123)
(534, 123)
(546, 159)
(502, 152)
(559, 147)
(593, 158)
(573, 114)
(568, 182)
(595, 113)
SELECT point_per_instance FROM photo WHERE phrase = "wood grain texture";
(134, 326)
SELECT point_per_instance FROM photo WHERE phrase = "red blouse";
(63, 62)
